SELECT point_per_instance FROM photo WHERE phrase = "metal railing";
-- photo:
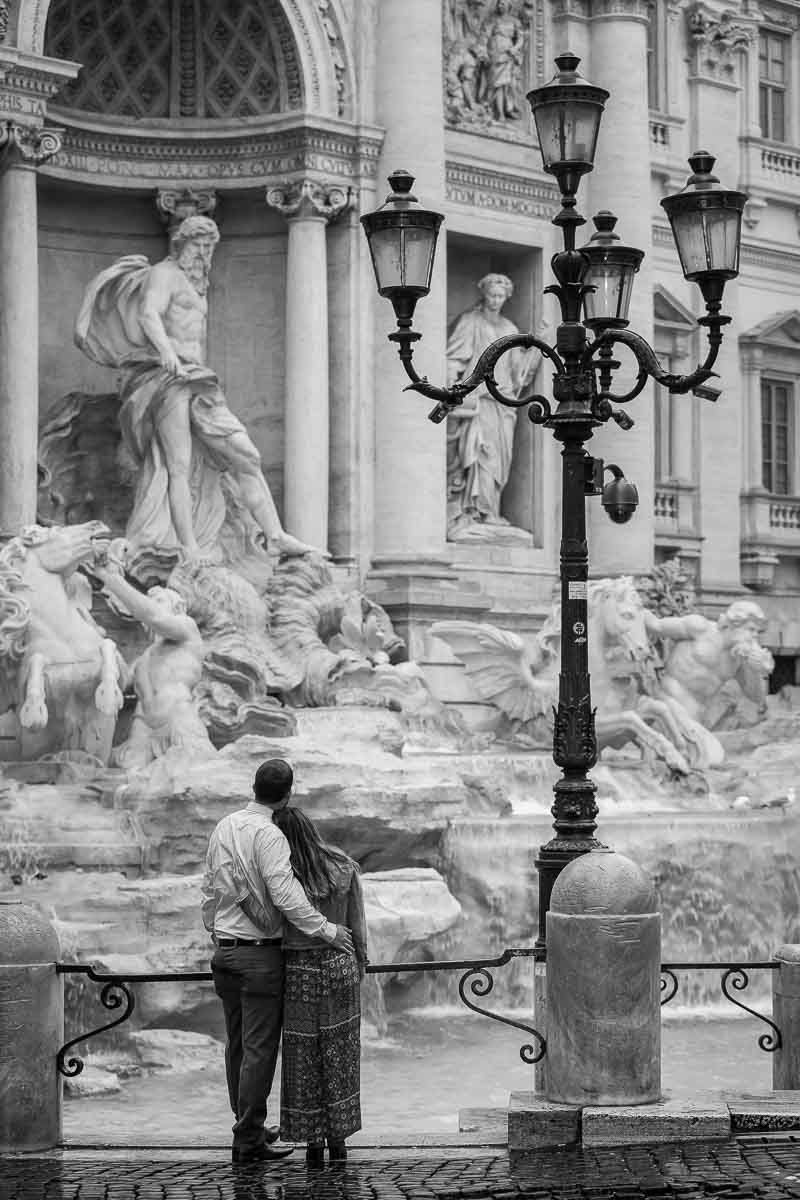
(476, 978)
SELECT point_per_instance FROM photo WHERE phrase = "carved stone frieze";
(715, 38)
(497, 191)
(308, 199)
(4, 6)
(175, 205)
(260, 156)
(487, 62)
(27, 145)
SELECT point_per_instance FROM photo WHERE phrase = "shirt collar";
(256, 807)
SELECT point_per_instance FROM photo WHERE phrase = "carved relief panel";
(493, 52)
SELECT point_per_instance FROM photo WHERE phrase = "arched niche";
(314, 68)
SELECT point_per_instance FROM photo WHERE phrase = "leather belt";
(225, 941)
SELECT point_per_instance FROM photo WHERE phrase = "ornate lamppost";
(593, 288)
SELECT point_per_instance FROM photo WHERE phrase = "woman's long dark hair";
(317, 865)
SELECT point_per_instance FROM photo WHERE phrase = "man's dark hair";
(273, 781)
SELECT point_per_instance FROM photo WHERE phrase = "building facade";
(282, 119)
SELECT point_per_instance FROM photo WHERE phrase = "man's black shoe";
(260, 1154)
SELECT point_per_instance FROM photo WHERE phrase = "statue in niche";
(480, 434)
(164, 677)
(58, 670)
(150, 322)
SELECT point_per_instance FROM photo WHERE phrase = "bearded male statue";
(150, 322)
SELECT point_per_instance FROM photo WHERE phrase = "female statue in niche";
(480, 434)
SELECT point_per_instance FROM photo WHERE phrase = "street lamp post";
(593, 287)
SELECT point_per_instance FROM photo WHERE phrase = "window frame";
(783, 88)
(769, 377)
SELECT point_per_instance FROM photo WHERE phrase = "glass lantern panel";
(722, 238)
(387, 258)
(419, 243)
(604, 302)
(567, 131)
(688, 229)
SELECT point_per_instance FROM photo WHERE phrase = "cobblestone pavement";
(766, 1168)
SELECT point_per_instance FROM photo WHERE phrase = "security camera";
(620, 498)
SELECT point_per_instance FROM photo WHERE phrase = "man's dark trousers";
(249, 982)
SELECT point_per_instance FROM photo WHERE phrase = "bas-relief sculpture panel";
(487, 61)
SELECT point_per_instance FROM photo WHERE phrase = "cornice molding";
(27, 82)
(230, 156)
(499, 191)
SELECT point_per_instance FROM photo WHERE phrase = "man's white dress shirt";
(247, 844)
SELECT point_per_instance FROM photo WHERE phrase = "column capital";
(27, 145)
(308, 199)
(175, 205)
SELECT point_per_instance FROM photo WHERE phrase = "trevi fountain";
(162, 634)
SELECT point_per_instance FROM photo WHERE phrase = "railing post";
(786, 1015)
(31, 1029)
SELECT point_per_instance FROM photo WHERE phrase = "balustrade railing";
(784, 514)
(476, 978)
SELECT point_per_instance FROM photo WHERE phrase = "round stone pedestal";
(603, 973)
(31, 1029)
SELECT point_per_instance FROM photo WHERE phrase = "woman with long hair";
(321, 1048)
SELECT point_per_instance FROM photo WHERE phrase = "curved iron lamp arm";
(650, 366)
(482, 373)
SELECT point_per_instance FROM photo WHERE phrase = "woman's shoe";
(337, 1151)
(315, 1156)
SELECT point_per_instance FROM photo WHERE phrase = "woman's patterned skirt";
(320, 1072)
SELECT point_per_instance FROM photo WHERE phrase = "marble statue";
(164, 676)
(58, 670)
(480, 434)
(150, 322)
(521, 678)
(709, 666)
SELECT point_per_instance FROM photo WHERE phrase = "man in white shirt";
(248, 960)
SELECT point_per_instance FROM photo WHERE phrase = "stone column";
(31, 1029)
(621, 182)
(410, 452)
(307, 206)
(716, 46)
(22, 149)
(786, 1015)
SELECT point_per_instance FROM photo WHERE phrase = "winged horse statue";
(59, 673)
(521, 679)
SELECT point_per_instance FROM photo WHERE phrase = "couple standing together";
(286, 915)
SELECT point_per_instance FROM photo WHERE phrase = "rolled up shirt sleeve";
(272, 855)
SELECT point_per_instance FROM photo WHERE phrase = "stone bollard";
(786, 1015)
(603, 984)
(31, 1029)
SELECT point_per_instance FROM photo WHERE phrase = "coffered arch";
(303, 63)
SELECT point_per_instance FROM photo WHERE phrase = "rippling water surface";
(415, 1079)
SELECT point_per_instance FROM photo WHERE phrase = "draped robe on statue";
(109, 331)
(479, 446)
